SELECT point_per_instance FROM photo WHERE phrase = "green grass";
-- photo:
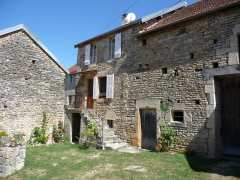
(67, 161)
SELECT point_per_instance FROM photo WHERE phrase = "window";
(178, 116)
(191, 55)
(111, 48)
(164, 70)
(144, 42)
(102, 87)
(110, 123)
(215, 65)
(93, 53)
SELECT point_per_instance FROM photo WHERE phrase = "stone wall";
(30, 84)
(12, 157)
(185, 50)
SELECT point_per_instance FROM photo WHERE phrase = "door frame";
(146, 103)
(212, 108)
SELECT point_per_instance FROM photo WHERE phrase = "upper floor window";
(93, 53)
(111, 48)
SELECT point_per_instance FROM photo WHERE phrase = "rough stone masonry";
(166, 65)
(31, 83)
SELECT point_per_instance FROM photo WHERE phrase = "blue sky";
(60, 24)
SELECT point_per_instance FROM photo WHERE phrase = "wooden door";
(90, 94)
(230, 114)
(148, 126)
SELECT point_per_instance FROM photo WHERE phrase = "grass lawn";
(67, 161)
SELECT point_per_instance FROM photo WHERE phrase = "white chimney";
(128, 17)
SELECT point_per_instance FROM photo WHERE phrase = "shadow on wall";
(221, 167)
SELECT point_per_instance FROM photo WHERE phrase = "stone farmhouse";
(31, 82)
(187, 57)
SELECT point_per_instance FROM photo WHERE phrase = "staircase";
(110, 139)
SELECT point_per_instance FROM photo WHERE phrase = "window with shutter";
(110, 86)
(118, 45)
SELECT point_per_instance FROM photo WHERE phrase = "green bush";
(167, 138)
(58, 133)
(39, 135)
(89, 135)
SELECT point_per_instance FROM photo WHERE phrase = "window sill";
(177, 124)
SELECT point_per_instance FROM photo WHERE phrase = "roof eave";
(108, 33)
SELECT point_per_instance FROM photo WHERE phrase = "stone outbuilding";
(31, 82)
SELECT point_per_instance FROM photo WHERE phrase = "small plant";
(168, 134)
(3, 134)
(58, 133)
(168, 137)
(89, 135)
(39, 135)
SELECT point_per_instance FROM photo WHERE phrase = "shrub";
(89, 135)
(167, 138)
(39, 135)
(58, 133)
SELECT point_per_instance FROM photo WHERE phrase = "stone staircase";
(110, 139)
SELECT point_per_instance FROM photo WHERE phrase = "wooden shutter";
(95, 88)
(118, 45)
(110, 86)
(87, 54)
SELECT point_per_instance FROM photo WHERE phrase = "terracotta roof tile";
(73, 69)
(197, 9)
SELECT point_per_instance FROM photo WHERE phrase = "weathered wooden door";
(230, 114)
(90, 94)
(148, 126)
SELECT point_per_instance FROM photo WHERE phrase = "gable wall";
(26, 89)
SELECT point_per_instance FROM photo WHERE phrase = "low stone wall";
(12, 158)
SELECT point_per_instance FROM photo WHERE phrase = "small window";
(111, 48)
(33, 61)
(178, 116)
(164, 70)
(197, 101)
(176, 73)
(144, 42)
(110, 123)
(191, 55)
(102, 87)
(215, 65)
(215, 41)
(93, 53)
